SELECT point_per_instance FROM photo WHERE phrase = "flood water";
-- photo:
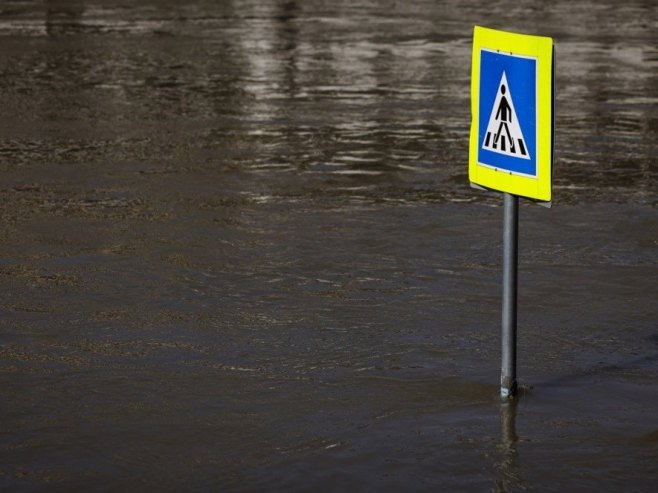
(239, 251)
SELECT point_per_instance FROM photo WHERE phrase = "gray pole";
(510, 261)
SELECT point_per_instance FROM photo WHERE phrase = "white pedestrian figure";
(504, 113)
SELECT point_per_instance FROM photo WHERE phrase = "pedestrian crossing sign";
(511, 143)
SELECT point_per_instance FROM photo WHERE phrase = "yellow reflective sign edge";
(540, 48)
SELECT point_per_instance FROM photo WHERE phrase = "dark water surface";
(239, 252)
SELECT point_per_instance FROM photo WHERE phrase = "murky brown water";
(239, 251)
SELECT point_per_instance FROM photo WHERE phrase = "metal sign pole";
(510, 262)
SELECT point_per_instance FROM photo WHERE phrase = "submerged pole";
(510, 263)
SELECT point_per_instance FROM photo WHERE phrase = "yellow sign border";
(538, 47)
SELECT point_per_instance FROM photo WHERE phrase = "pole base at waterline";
(508, 388)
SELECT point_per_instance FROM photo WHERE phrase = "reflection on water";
(507, 468)
(239, 250)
